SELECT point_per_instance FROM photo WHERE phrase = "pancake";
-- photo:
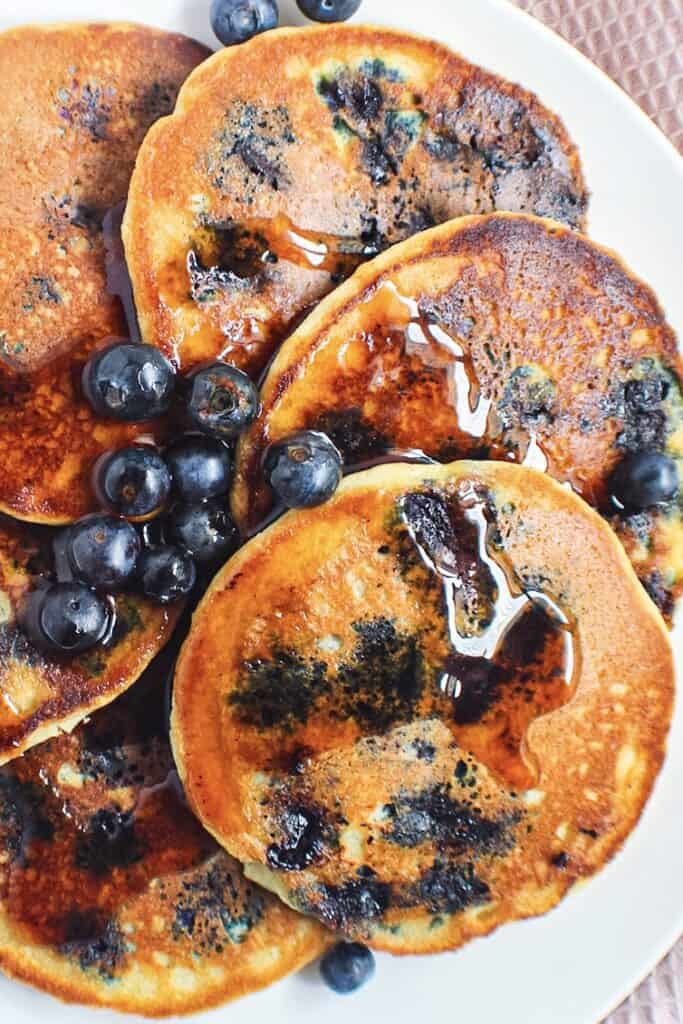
(267, 187)
(75, 103)
(502, 337)
(112, 894)
(444, 701)
(40, 696)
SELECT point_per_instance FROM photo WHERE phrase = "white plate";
(579, 961)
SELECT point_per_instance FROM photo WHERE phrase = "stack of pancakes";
(412, 714)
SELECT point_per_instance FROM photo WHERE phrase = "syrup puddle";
(520, 664)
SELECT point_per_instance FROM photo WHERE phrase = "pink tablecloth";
(640, 44)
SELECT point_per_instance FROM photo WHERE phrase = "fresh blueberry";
(102, 551)
(304, 469)
(235, 21)
(328, 10)
(135, 482)
(68, 618)
(205, 530)
(166, 573)
(201, 468)
(223, 401)
(129, 382)
(645, 479)
(347, 966)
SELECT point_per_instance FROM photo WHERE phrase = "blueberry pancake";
(500, 337)
(295, 157)
(445, 700)
(75, 103)
(40, 695)
(112, 894)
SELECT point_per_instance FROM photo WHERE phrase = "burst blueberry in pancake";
(502, 337)
(445, 699)
(42, 695)
(112, 894)
(75, 103)
(264, 190)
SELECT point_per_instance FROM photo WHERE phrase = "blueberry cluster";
(164, 518)
(235, 21)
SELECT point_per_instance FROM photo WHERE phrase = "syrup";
(250, 245)
(516, 662)
(79, 853)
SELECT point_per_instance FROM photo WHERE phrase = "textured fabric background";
(639, 43)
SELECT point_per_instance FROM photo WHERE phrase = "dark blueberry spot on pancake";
(660, 593)
(366, 110)
(86, 107)
(590, 832)
(23, 818)
(211, 907)
(88, 217)
(208, 283)
(280, 691)
(352, 903)
(302, 843)
(355, 437)
(641, 405)
(109, 842)
(434, 816)
(157, 100)
(449, 888)
(383, 683)
(95, 943)
(376, 68)
(528, 399)
(40, 290)
(252, 140)
(443, 146)
(424, 751)
(560, 860)
(15, 646)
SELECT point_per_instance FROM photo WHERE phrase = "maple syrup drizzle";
(497, 733)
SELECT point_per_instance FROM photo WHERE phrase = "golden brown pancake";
(267, 187)
(41, 696)
(445, 699)
(502, 337)
(112, 894)
(75, 103)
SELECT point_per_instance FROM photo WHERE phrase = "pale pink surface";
(639, 43)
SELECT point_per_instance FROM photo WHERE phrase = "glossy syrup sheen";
(512, 653)
(87, 821)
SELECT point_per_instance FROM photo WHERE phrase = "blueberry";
(129, 382)
(166, 573)
(235, 21)
(205, 530)
(223, 401)
(304, 469)
(328, 10)
(645, 479)
(135, 482)
(201, 468)
(102, 551)
(347, 966)
(69, 618)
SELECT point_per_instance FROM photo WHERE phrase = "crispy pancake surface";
(75, 103)
(40, 696)
(265, 190)
(112, 894)
(502, 337)
(445, 699)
